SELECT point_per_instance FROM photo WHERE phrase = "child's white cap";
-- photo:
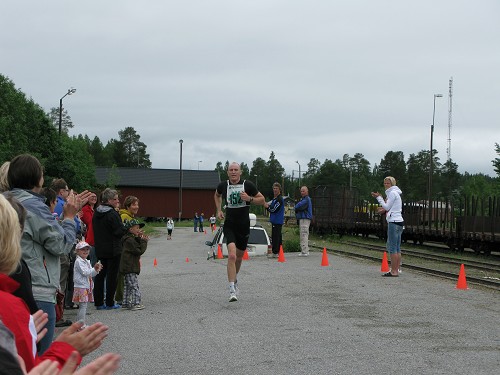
(82, 245)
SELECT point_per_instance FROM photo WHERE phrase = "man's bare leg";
(235, 258)
(239, 259)
(232, 268)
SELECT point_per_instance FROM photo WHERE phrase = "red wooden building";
(158, 190)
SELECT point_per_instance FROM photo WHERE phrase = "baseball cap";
(130, 223)
(82, 244)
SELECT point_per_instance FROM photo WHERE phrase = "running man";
(238, 195)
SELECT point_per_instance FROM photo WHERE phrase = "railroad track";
(440, 246)
(490, 283)
(483, 266)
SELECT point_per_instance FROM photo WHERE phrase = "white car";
(258, 242)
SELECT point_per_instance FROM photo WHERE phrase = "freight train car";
(469, 222)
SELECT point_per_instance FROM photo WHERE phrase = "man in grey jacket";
(44, 239)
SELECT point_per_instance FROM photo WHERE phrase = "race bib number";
(233, 196)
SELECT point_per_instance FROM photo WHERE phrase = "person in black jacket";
(108, 231)
(276, 208)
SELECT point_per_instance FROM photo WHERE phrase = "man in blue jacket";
(60, 186)
(276, 209)
(303, 213)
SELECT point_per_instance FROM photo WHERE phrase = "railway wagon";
(333, 209)
(468, 222)
(478, 223)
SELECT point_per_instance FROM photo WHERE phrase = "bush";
(291, 245)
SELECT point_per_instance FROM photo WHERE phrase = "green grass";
(150, 227)
(291, 242)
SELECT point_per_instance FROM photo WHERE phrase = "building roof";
(157, 178)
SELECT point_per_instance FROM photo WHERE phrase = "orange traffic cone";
(281, 255)
(187, 260)
(219, 252)
(155, 263)
(324, 260)
(385, 264)
(462, 282)
(245, 255)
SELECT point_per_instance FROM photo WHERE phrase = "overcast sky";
(238, 79)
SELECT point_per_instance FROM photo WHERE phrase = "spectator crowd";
(60, 250)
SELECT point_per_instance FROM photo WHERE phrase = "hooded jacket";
(44, 240)
(277, 210)
(125, 215)
(87, 215)
(133, 248)
(393, 205)
(15, 315)
(108, 231)
(303, 208)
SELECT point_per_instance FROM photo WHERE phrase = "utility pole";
(431, 160)
(450, 107)
(299, 173)
(180, 180)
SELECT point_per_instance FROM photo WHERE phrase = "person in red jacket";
(87, 214)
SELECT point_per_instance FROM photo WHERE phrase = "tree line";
(26, 128)
(356, 172)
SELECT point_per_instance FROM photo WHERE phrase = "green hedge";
(291, 246)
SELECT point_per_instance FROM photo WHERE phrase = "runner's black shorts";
(237, 233)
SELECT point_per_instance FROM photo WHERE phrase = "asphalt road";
(297, 317)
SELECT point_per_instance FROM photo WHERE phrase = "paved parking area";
(298, 318)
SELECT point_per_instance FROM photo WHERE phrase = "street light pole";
(299, 173)
(199, 161)
(180, 180)
(70, 92)
(431, 160)
(256, 183)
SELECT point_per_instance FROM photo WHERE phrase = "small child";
(213, 220)
(134, 244)
(170, 228)
(82, 278)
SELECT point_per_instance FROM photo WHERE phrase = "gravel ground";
(297, 317)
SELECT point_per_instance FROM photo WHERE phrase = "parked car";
(258, 242)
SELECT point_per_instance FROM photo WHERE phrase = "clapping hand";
(84, 341)
(104, 365)
(98, 266)
(40, 319)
